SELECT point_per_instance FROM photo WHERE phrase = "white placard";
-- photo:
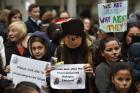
(26, 69)
(68, 76)
(113, 16)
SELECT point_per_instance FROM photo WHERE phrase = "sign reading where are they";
(113, 16)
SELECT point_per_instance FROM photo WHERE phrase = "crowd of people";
(111, 65)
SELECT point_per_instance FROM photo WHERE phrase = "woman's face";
(132, 31)
(122, 81)
(38, 50)
(101, 35)
(112, 51)
(14, 34)
(16, 17)
(87, 24)
(72, 41)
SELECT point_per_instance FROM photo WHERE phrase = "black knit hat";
(73, 27)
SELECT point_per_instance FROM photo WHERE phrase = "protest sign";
(68, 76)
(113, 16)
(26, 69)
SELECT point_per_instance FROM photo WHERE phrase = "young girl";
(39, 46)
(122, 78)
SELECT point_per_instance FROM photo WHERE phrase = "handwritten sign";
(113, 16)
(68, 76)
(26, 69)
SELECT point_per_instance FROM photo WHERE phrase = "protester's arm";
(102, 80)
(89, 70)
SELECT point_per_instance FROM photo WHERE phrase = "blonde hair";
(20, 26)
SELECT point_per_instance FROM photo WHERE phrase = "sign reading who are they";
(113, 16)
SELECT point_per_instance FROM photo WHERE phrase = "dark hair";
(13, 13)
(123, 66)
(37, 39)
(126, 46)
(90, 31)
(30, 8)
(129, 26)
(106, 40)
(22, 86)
(24, 89)
(101, 48)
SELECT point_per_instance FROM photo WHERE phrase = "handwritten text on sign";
(68, 76)
(113, 16)
(26, 69)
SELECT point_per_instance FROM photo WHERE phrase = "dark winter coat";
(11, 48)
(32, 26)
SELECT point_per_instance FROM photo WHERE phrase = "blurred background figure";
(88, 28)
(133, 30)
(64, 15)
(33, 23)
(3, 22)
(47, 19)
(14, 15)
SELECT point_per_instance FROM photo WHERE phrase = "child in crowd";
(39, 46)
(122, 78)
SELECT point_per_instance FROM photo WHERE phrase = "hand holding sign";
(89, 70)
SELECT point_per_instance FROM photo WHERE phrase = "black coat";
(32, 26)
(10, 48)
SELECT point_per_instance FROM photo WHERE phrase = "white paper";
(68, 76)
(26, 69)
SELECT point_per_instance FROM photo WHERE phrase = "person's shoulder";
(28, 21)
(101, 65)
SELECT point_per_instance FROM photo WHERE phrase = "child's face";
(122, 81)
(38, 50)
